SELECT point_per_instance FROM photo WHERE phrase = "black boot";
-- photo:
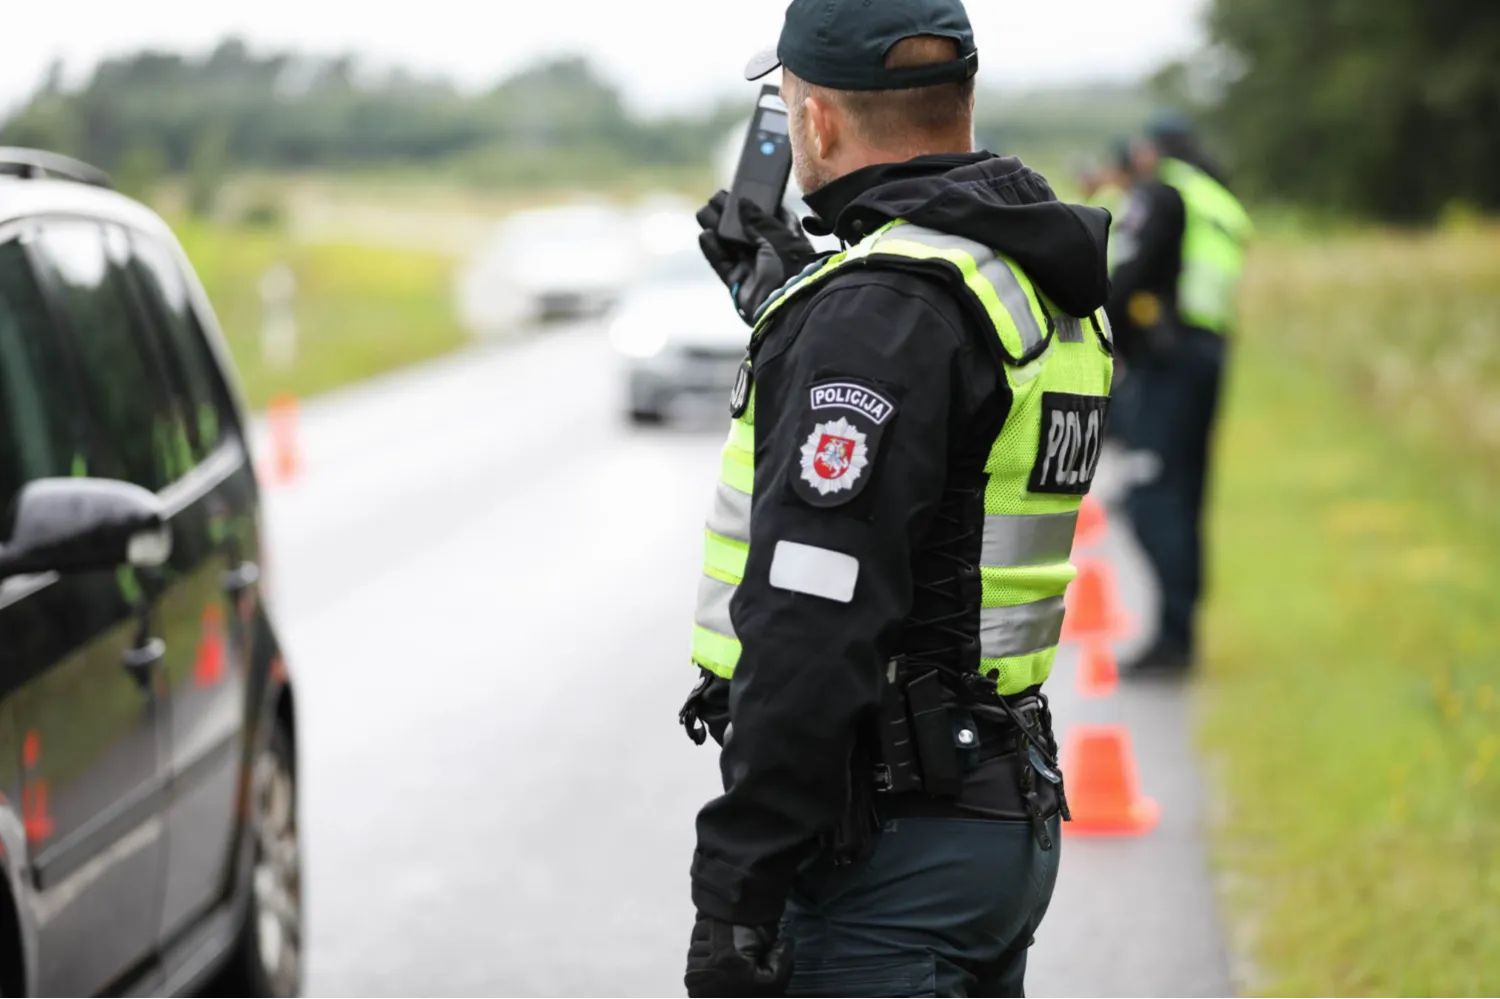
(1162, 659)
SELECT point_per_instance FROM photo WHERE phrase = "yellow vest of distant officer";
(1215, 233)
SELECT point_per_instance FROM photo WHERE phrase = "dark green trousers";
(943, 907)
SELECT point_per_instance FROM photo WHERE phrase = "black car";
(148, 807)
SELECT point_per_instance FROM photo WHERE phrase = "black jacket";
(811, 667)
(1148, 241)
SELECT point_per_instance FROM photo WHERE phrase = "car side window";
(169, 307)
(39, 422)
(115, 369)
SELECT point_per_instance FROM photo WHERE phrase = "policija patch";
(1072, 438)
(840, 439)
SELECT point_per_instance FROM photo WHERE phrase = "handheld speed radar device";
(765, 164)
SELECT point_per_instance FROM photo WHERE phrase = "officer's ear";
(826, 124)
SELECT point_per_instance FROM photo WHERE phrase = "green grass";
(1352, 696)
(360, 310)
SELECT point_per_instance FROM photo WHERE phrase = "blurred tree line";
(150, 113)
(1389, 108)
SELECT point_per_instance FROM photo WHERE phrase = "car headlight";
(637, 336)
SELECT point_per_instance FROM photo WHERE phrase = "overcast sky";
(665, 53)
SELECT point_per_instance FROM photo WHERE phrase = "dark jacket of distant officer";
(1178, 253)
(888, 547)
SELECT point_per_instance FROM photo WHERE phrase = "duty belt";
(928, 724)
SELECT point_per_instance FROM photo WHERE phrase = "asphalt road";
(485, 580)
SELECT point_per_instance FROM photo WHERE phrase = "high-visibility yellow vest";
(1214, 239)
(1028, 536)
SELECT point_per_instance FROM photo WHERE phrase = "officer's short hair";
(893, 117)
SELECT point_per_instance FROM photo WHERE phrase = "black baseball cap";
(842, 44)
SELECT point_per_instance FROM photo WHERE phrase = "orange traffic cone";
(35, 820)
(286, 459)
(1091, 608)
(209, 668)
(1092, 523)
(1103, 791)
(1098, 675)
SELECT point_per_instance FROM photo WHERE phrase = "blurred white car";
(676, 329)
(678, 335)
(549, 262)
(663, 228)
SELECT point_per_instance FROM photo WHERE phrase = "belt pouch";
(932, 729)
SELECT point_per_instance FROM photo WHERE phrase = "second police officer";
(888, 546)
(1177, 256)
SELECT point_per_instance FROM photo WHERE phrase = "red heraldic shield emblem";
(834, 457)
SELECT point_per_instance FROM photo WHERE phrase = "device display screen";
(765, 161)
(773, 121)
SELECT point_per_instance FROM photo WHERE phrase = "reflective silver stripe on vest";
(1069, 328)
(991, 267)
(713, 606)
(1020, 630)
(730, 516)
(1042, 539)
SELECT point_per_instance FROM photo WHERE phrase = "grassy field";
(360, 310)
(1352, 696)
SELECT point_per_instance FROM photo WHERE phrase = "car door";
(208, 604)
(77, 665)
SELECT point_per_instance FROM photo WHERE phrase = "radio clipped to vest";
(739, 396)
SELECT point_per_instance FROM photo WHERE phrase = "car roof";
(24, 197)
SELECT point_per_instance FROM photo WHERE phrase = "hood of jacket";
(994, 200)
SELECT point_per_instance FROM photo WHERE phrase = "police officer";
(1178, 254)
(917, 420)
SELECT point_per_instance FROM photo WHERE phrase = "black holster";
(915, 737)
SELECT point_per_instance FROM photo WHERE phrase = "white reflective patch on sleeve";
(815, 571)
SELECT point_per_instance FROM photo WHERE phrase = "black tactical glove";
(752, 271)
(706, 712)
(729, 960)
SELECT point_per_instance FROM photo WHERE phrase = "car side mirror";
(78, 525)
